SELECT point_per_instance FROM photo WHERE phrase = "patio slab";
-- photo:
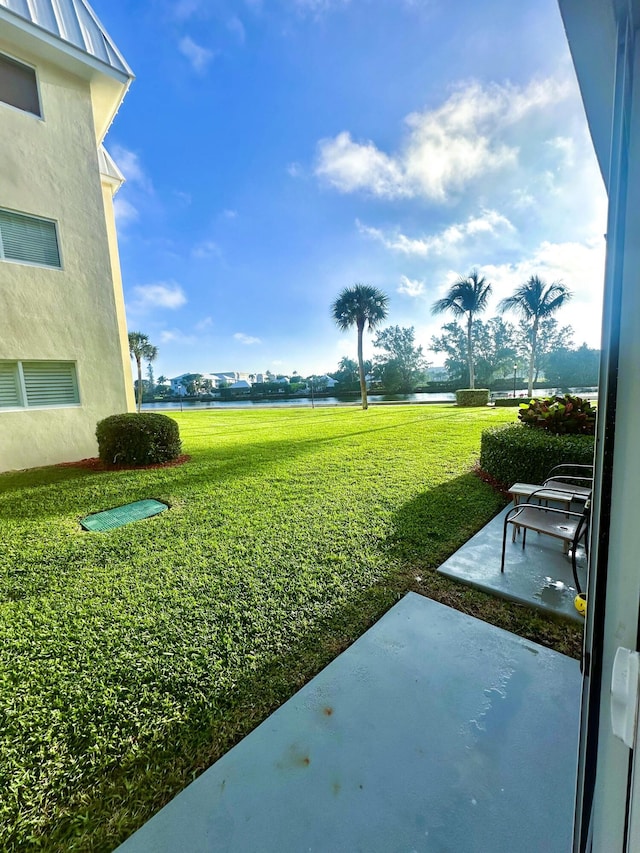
(539, 576)
(433, 732)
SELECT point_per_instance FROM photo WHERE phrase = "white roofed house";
(64, 358)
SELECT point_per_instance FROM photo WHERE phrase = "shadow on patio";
(539, 576)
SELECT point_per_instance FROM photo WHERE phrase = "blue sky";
(277, 151)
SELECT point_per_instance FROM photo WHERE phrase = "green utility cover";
(111, 518)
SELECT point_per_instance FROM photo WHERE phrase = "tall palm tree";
(361, 305)
(466, 296)
(534, 301)
(141, 349)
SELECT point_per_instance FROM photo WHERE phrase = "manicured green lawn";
(131, 659)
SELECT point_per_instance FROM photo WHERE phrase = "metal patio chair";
(560, 523)
(577, 477)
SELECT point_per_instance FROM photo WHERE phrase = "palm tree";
(359, 306)
(466, 296)
(141, 349)
(534, 301)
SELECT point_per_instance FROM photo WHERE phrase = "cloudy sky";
(277, 151)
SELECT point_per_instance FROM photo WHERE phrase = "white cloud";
(230, 214)
(158, 295)
(294, 170)
(410, 287)
(203, 324)
(206, 249)
(466, 137)
(124, 211)
(579, 265)
(129, 164)
(488, 223)
(248, 340)
(236, 27)
(175, 336)
(198, 56)
(316, 7)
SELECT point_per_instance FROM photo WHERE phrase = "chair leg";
(574, 567)
(524, 537)
(504, 545)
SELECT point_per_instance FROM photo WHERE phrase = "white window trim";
(34, 68)
(25, 407)
(54, 222)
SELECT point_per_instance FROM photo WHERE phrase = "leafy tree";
(466, 297)
(361, 305)
(141, 349)
(551, 338)
(494, 347)
(566, 368)
(534, 301)
(403, 364)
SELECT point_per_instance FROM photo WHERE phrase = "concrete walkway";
(539, 576)
(433, 732)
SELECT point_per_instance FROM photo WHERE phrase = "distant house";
(329, 381)
(242, 385)
(437, 374)
(64, 355)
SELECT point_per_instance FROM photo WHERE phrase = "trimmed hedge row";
(518, 454)
(138, 439)
(469, 397)
(510, 401)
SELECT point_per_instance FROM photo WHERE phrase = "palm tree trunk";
(532, 356)
(139, 363)
(472, 375)
(363, 381)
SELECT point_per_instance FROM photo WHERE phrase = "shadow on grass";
(427, 529)
(218, 464)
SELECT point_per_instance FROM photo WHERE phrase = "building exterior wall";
(49, 168)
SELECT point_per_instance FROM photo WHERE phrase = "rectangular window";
(35, 384)
(10, 396)
(28, 239)
(18, 86)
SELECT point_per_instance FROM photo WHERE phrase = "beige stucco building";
(64, 359)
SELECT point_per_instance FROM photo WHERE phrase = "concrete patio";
(433, 732)
(539, 576)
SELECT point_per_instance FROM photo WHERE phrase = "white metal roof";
(74, 22)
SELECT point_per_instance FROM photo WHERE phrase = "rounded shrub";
(468, 397)
(516, 453)
(138, 439)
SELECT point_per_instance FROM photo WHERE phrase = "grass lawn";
(132, 659)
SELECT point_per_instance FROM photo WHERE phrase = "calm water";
(305, 402)
(422, 397)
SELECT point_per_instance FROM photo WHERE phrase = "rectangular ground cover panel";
(121, 515)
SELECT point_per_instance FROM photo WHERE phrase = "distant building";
(329, 381)
(241, 385)
(437, 374)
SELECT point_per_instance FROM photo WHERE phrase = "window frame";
(22, 386)
(33, 68)
(54, 222)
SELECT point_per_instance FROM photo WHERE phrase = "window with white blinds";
(35, 384)
(10, 396)
(28, 239)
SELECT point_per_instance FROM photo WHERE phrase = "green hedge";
(516, 453)
(509, 401)
(468, 397)
(138, 439)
